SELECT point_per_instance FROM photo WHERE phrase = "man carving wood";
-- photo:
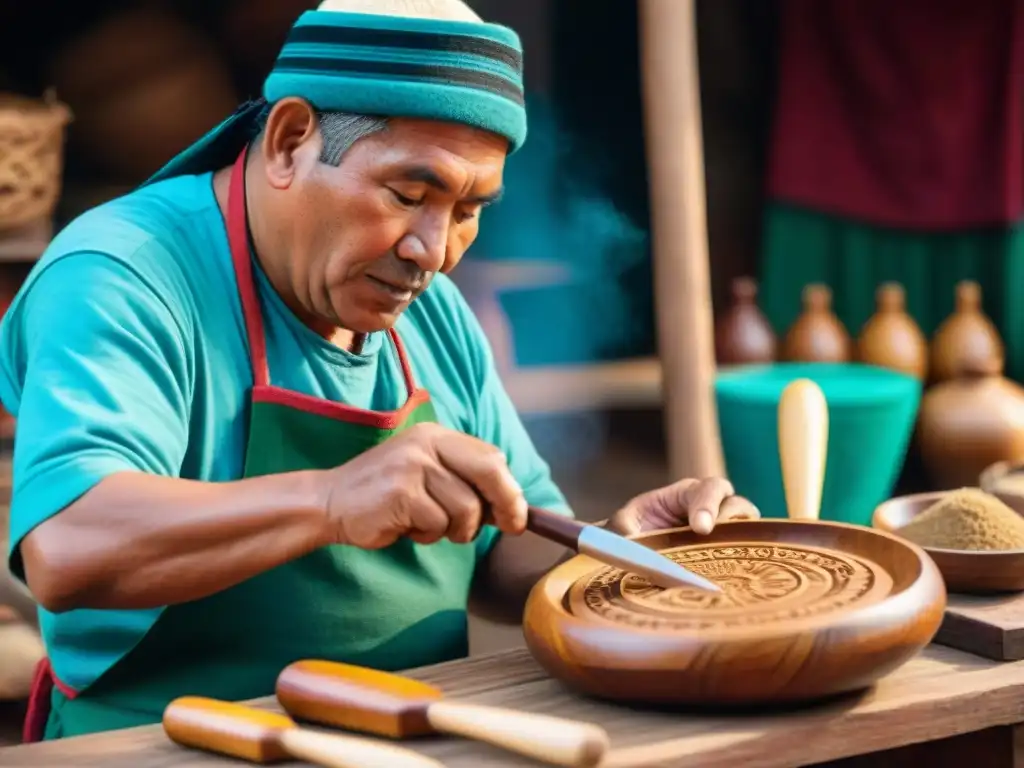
(256, 421)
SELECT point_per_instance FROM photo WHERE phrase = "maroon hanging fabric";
(905, 114)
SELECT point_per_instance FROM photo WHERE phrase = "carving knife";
(613, 549)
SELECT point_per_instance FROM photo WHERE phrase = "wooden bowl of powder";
(975, 538)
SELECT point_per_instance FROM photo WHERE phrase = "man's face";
(404, 204)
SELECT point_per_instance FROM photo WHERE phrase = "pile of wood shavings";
(967, 519)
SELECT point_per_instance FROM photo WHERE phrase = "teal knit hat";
(389, 66)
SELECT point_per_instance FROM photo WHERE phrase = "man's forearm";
(142, 541)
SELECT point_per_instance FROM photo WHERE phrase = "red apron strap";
(38, 703)
(238, 241)
(410, 382)
(241, 257)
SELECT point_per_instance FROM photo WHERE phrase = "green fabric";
(802, 246)
(433, 69)
(871, 418)
(339, 603)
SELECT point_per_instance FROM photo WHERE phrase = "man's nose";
(426, 247)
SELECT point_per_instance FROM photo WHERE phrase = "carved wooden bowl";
(809, 609)
(964, 571)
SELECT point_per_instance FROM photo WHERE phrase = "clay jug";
(967, 338)
(817, 336)
(742, 333)
(891, 338)
(969, 422)
(142, 84)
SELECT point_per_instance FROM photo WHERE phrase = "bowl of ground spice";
(975, 538)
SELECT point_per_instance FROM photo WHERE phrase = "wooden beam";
(565, 389)
(682, 282)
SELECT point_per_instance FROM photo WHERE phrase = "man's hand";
(425, 483)
(697, 503)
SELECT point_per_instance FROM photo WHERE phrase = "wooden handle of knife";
(337, 751)
(553, 740)
(553, 527)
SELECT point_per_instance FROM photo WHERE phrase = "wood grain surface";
(992, 627)
(808, 609)
(940, 694)
(1000, 747)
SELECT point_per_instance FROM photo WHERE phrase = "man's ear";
(289, 135)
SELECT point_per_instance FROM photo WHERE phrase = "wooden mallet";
(367, 700)
(262, 737)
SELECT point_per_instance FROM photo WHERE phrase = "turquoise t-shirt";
(125, 350)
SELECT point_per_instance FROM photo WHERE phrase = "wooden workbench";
(939, 695)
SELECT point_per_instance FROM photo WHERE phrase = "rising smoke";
(568, 249)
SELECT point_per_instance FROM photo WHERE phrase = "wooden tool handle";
(548, 739)
(803, 447)
(553, 527)
(336, 751)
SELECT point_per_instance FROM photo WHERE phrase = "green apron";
(400, 607)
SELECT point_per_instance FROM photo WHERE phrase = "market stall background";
(562, 276)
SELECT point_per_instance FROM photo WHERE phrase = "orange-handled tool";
(262, 737)
(360, 699)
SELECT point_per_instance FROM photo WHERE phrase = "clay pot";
(817, 336)
(891, 338)
(253, 31)
(142, 85)
(742, 333)
(967, 338)
(970, 422)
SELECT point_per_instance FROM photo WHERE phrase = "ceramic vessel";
(817, 335)
(742, 333)
(1004, 478)
(152, 86)
(872, 411)
(891, 338)
(965, 339)
(970, 422)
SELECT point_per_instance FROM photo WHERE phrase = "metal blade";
(611, 548)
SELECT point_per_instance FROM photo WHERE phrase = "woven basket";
(31, 158)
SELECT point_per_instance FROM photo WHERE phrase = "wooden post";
(682, 283)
